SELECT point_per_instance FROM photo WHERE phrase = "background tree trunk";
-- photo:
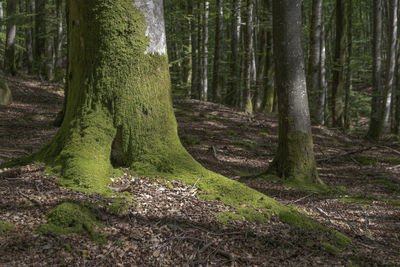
(314, 63)
(248, 41)
(11, 34)
(219, 38)
(390, 64)
(375, 127)
(295, 157)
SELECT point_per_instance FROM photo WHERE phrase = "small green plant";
(365, 160)
(69, 218)
(265, 134)
(190, 140)
(5, 227)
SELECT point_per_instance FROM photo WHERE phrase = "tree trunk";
(219, 38)
(30, 9)
(194, 50)
(59, 38)
(11, 34)
(339, 78)
(40, 37)
(348, 83)
(375, 128)
(204, 88)
(390, 64)
(119, 107)
(234, 86)
(247, 95)
(49, 45)
(295, 157)
(314, 63)
(323, 87)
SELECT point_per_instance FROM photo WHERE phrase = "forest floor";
(168, 225)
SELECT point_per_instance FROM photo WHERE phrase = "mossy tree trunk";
(119, 107)
(10, 66)
(295, 157)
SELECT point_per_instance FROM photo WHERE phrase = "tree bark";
(40, 37)
(348, 83)
(314, 63)
(10, 66)
(339, 78)
(234, 86)
(375, 127)
(247, 95)
(204, 87)
(219, 38)
(59, 38)
(295, 157)
(119, 107)
(390, 64)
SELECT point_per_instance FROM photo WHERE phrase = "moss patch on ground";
(5, 227)
(69, 218)
(295, 182)
(365, 160)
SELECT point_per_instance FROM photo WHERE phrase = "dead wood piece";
(34, 201)
(346, 154)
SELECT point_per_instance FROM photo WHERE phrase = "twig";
(300, 199)
(392, 149)
(394, 167)
(198, 179)
(345, 154)
(34, 201)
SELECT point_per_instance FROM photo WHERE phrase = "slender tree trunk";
(40, 37)
(248, 104)
(49, 45)
(323, 87)
(194, 50)
(339, 78)
(59, 38)
(261, 70)
(204, 88)
(234, 86)
(348, 84)
(375, 128)
(219, 38)
(295, 157)
(30, 5)
(314, 63)
(390, 64)
(11, 34)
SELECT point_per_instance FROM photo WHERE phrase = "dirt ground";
(169, 225)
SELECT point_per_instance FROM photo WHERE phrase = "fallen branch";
(34, 201)
(346, 154)
(391, 149)
(300, 199)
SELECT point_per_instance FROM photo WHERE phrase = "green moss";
(118, 206)
(295, 182)
(393, 160)
(341, 240)
(387, 183)
(69, 218)
(5, 227)
(294, 219)
(355, 200)
(5, 94)
(230, 131)
(227, 217)
(265, 134)
(190, 140)
(329, 248)
(365, 160)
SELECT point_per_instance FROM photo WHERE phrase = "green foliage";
(5, 227)
(190, 140)
(365, 160)
(69, 218)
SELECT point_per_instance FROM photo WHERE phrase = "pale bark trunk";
(390, 64)
(204, 88)
(11, 33)
(247, 95)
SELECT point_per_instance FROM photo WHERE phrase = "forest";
(199, 133)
